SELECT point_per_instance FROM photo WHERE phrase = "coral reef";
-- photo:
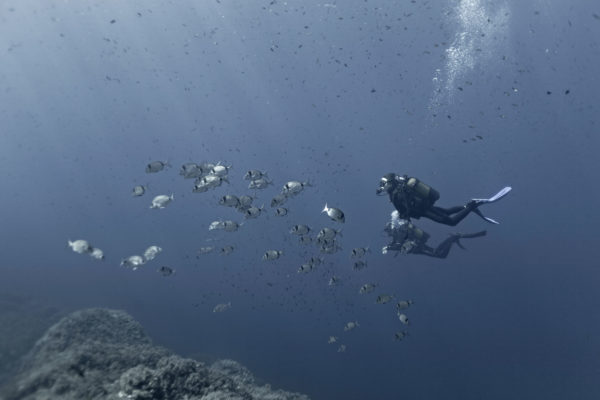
(105, 354)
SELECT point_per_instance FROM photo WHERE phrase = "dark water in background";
(337, 94)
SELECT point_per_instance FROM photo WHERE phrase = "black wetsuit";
(410, 205)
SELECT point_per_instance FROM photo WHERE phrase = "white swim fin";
(490, 220)
(495, 197)
(492, 199)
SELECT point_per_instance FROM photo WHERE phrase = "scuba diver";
(414, 199)
(408, 239)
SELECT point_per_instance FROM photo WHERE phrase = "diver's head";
(388, 183)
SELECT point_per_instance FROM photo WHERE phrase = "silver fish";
(231, 226)
(254, 174)
(213, 181)
(272, 255)
(335, 214)
(300, 229)
(151, 252)
(253, 212)
(190, 171)
(133, 262)
(260, 183)
(166, 271)
(225, 250)
(315, 260)
(220, 170)
(216, 225)
(350, 325)
(162, 200)
(367, 288)
(156, 166)
(326, 242)
(97, 254)
(292, 188)
(305, 239)
(332, 339)
(281, 211)
(245, 201)
(359, 252)
(384, 298)
(342, 348)
(229, 200)
(359, 265)
(400, 335)
(278, 200)
(330, 248)
(80, 246)
(138, 191)
(306, 267)
(334, 280)
(403, 304)
(328, 233)
(403, 318)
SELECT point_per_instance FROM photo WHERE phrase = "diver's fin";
(472, 235)
(459, 244)
(490, 220)
(495, 197)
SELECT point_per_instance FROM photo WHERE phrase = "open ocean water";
(467, 95)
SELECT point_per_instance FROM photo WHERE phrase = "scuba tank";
(412, 197)
(419, 235)
(424, 192)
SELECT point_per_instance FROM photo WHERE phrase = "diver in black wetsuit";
(408, 239)
(414, 199)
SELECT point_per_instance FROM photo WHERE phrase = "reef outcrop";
(105, 354)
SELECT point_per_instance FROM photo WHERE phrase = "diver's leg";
(451, 210)
(438, 214)
(444, 248)
(426, 251)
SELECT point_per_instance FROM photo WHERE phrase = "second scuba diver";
(408, 239)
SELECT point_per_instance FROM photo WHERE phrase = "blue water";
(338, 94)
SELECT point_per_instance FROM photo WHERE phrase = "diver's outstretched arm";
(394, 246)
